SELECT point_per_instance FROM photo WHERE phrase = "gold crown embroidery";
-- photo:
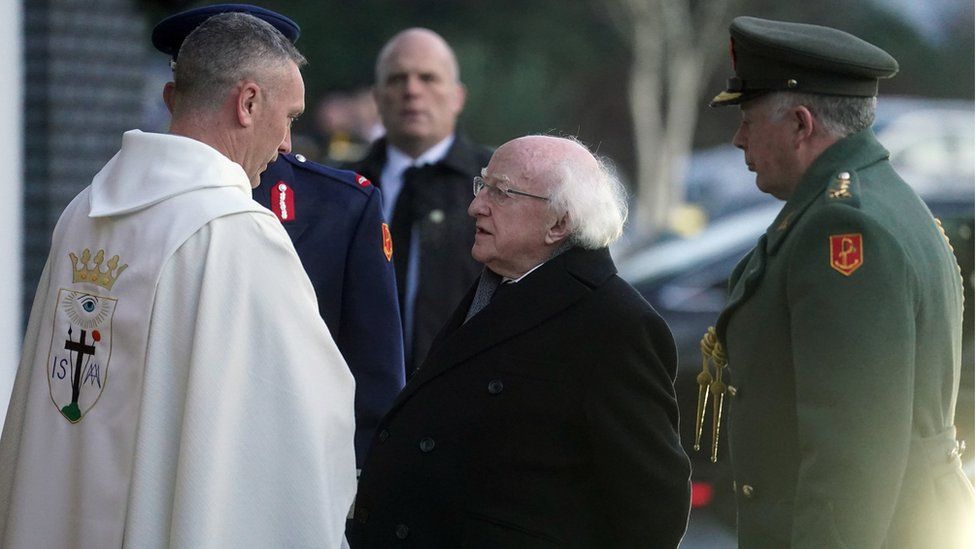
(89, 270)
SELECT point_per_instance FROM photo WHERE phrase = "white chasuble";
(177, 386)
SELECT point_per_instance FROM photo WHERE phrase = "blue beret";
(169, 34)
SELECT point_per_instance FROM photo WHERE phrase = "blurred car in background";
(930, 140)
(685, 278)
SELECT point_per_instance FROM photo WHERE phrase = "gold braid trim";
(713, 359)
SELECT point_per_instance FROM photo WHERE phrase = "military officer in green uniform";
(838, 353)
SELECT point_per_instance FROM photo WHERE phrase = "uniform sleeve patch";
(387, 242)
(846, 253)
(363, 182)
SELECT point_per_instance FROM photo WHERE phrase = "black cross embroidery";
(82, 349)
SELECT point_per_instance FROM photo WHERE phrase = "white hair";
(594, 199)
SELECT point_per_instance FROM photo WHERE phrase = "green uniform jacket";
(843, 333)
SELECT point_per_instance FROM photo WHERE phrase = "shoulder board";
(347, 177)
(844, 189)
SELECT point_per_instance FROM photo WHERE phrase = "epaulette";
(346, 177)
(845, 189)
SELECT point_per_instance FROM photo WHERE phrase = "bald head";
(541, 159)
(418, 93)
(426, 41)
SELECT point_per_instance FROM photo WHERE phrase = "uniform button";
(436, 216)
(384, 434)
(402, 531)
(300, 158)
(495, 386)
(426, 444)
(748, 491)
(733, 390)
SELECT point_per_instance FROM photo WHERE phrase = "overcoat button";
(426, 444)
(733, 390)
(402, 531)
(437, 216)
(748, 491)
(495, 386)
(384, 434)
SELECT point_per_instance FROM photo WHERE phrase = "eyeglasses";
(501, 195)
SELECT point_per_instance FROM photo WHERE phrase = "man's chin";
(478, 254)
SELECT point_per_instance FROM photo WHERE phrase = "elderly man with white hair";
(545, 412)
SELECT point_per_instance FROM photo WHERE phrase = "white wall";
(11, 189)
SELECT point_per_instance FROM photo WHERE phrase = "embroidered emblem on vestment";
(81, 346)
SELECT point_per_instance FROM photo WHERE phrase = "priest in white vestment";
(178, 387)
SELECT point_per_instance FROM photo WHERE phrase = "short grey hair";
(839, 115)
(595, 200)
(226, 49)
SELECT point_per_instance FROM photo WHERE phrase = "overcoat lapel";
(552, 288)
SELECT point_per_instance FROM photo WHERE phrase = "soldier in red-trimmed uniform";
(335, 219)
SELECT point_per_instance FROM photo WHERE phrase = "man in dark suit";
(843, 327)
(335, 220)
(424, 168)
(545, 413)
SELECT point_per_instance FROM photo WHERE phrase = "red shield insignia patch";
(387, 242)
(283, 202)
(846, 253)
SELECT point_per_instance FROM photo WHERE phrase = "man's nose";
(285, 146)
(738, 140)
(479, 205)
(412, 85)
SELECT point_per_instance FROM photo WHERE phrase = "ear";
(168, 91)
(248, 103)
(558, 230)
(804, 123)
(461, 97)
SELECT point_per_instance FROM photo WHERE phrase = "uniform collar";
(846, 155)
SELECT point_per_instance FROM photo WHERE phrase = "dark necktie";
(404, 214)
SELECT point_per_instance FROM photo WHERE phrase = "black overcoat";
(548, 419)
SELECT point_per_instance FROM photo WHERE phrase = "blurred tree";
(671, 59)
